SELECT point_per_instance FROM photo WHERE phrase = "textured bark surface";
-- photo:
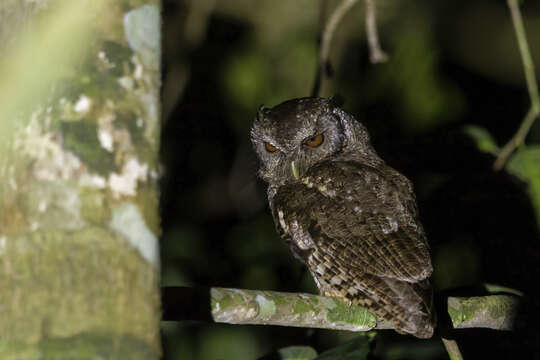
(240, 306)
(78, 183)
(494, 312)
(236, 306)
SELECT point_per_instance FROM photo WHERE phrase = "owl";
(349, 217)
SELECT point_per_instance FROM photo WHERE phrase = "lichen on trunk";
(78, 180)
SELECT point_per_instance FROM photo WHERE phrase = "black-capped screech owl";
(348, 216)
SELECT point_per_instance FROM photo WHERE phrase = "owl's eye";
(269, 147)
(315, 141)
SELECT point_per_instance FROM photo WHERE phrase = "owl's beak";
(294, 170)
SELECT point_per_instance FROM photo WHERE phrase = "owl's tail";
(408, 306)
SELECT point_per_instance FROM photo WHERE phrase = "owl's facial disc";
(295, 135)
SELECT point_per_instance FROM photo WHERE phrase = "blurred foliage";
(416, 351)
(483, 139)
(452, 90)
(228, 343)
(424, 98)
(525, 164)
(496, 289)
(26, 81)
(297, 353)
(356, 349)
(457, 264)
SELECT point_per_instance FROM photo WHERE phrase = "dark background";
(452, 64)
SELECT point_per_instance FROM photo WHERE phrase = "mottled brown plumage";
(348, 216)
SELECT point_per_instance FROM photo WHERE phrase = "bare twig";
(327, 35)
(239, 306)
(452, 349)
(330, 28)
(322, 14)
(532, 87)
(376, 55)
(516, 140)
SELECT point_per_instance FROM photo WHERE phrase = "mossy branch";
(452, 349)
(239, 306)
(494, 312)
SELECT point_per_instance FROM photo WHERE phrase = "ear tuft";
(261, 111)
(337, 100)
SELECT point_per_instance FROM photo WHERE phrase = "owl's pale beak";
(294, 170)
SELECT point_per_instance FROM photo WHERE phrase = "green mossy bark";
(73, 285)
(241, 306)
(495, 311)
(63, 284)
(238, 306)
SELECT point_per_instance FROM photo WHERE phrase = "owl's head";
(299, 133)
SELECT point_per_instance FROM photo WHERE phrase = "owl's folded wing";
(356, 215)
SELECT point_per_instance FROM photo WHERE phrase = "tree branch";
(532, 87)
(494, 312)
(327, 35)
(239, 306)
(376, 55)
(452, 349)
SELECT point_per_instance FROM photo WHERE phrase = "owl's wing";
(356, 215)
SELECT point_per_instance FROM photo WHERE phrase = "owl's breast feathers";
(356, 228)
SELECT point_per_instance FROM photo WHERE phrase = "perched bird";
(349, 217)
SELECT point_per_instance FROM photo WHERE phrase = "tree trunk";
(79, 138)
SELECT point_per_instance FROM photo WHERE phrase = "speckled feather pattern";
(349, 217)
(354, 242)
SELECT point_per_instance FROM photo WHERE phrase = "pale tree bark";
(79, 138)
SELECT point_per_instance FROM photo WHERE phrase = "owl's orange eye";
(269, 147)
(315, 141)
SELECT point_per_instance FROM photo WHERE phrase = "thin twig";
(326, 40)
(376, 54)
(452, 349)
(322, 14)
(516, 140)
(528, 64)
(532, 87)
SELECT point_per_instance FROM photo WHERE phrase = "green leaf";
(297, 353)
(494, 288)
(525, 164)
(356, 349)
(483, 139)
